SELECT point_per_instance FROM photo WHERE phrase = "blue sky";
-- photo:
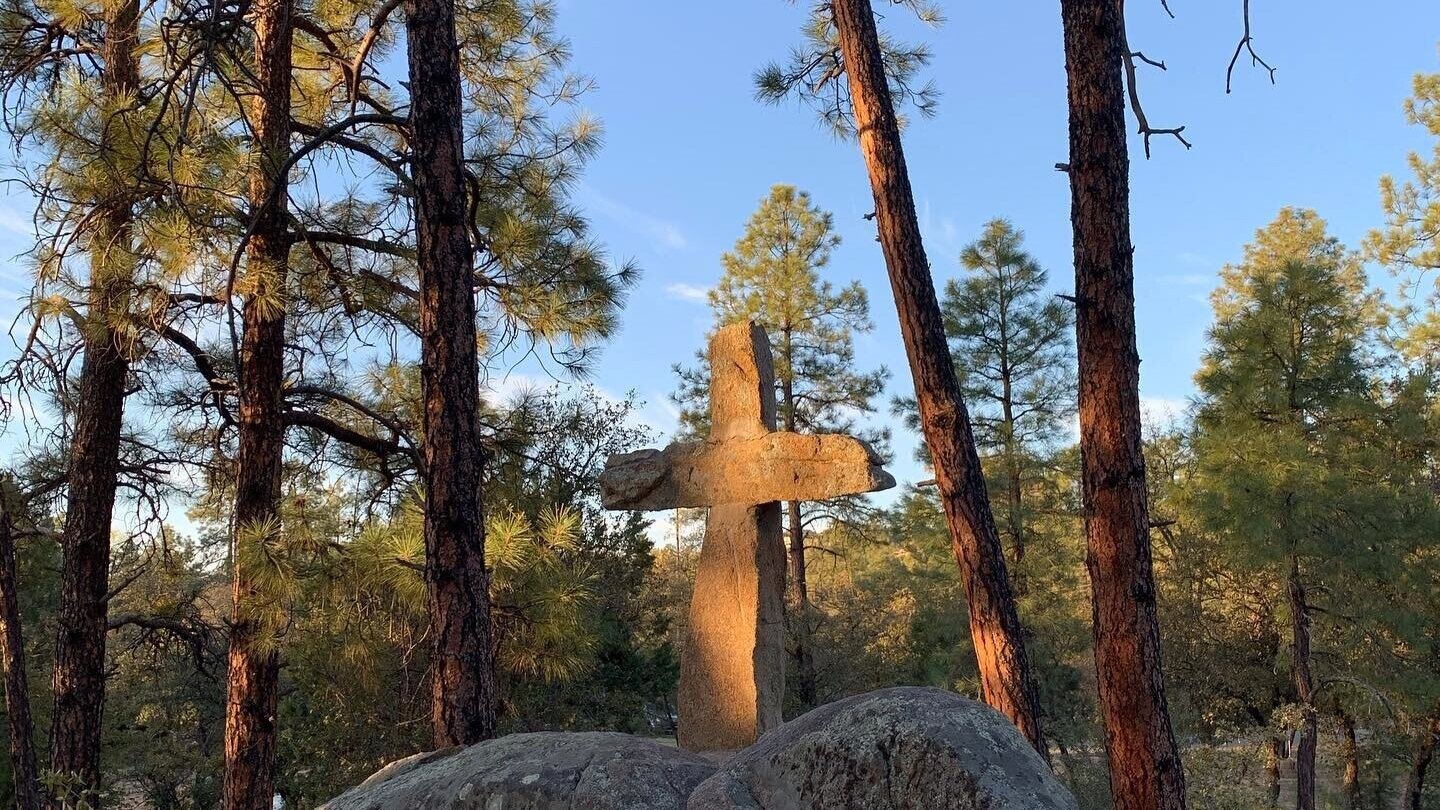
(689, 152)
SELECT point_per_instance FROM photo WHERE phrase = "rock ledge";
(541, 771)
(895, 749)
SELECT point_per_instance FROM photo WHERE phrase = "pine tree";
(254, 663)
(78, 680)
(1281, 438)
(1011, 346)
(110, 124)
(12, 655)
(464, 689)
(1145, 767)
(1409, 243)
(862, 73)
(772, 277)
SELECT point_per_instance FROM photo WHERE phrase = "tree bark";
(1350, 751)
(78, 680)
(254, 668)
(1272, 769)
(464, 689)
(17, 686)
(1145, 768)
(1424, 752)
(805, 676)
(1013, 496)
(994, 623)
(1305, 690)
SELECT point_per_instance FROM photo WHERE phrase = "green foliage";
(1409, 241)
(1010, 338)
(814, 72)
(772, 277)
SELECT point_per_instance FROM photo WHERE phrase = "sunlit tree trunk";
(464, 690)
(1350, 752)
(1305, 690)
(805, 676)
(994, 624)
(1420, 763)
(1014, 497)
(17, 686)
(254, 669)
(78, 679)
(1145, 769)
(1272, 769)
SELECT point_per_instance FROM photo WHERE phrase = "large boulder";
(543, 771)
(895, 749)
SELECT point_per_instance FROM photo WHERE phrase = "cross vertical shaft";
(732, 670)
(732, 676)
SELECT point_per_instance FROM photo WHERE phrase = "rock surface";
(543, 771)
(742, 470)
(895, 749)
(732, 675)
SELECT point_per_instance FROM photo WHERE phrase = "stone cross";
(732, 672)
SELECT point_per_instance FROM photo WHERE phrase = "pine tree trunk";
(1305, 689)
(1272, 769)
(1013, 496)
(17, 686)
(1350, 751)
(800, 607)
(254, 669)
(799, 578)
(78, 680)
(1424, 752)
(1145, 769)
(464, 689)
(994, 623)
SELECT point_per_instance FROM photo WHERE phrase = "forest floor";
(1327, 790)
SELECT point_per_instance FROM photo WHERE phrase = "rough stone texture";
(732, 674)
(743, 461)
(544, 771)
(742, 382)
(895, 749)
(751, 470)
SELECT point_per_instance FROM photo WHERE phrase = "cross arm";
(752, 470)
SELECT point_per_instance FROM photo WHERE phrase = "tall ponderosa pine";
(1011, 343)
(78, 680)
(1409, 245)
(12, 654)
(1428, 736)
(772, 277)
(844, 34)
(463, 701)
(1285, 429)
(114, 184)
(1145, 768)
(254, 662)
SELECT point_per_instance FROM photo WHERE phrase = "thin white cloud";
(15, 221)
(1161, 411)
(662, 234)
(1156, 413)
(1190, 279)
(687, 292)
(501, 391)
